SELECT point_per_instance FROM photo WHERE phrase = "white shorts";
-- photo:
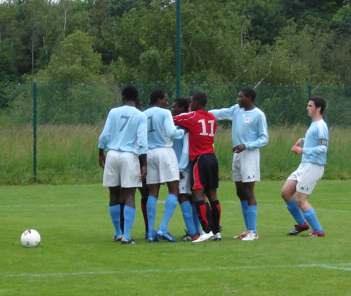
(307, 175)
(246, 166)
(162, 166)
(122, 169)
(184, 184)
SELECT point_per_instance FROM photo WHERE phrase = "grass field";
(77, 255)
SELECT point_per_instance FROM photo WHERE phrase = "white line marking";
(341, 267)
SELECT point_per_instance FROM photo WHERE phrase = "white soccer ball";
(30, 238)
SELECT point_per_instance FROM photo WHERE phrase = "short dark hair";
(249, 93)
(130, 92)
(201, 98)
(319, 102)
(155, 95)
(183, 103)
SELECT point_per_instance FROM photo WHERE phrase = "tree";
(74, 61)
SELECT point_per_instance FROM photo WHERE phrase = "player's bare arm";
(144, 167)
(102, 158)
(299, 142)
(296, 149)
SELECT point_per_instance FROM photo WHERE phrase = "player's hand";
(183, 128)
(239, 148)
(299, 142)
(181, 175)
(143, 173)
(296, 149)
(102, 160)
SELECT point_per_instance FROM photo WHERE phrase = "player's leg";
(309, 214)
(153, 183)
(115, 211)
(287, 193)
(203, 211)
(215, 212)
(196, 220)
(244, 206)
(186, 207)
(307, 180)
(129, 213)
(169, 173)
(121, 205)
(169, 208)
(202, 208)
(112, 179)
(144, 192)
(208, 166)
(151, 210)
(248, 189)
(237, 178)
(187, 213)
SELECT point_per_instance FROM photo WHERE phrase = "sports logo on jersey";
(248, 120)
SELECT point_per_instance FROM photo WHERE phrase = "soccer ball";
(30, 238)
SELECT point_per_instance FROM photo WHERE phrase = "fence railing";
(39, 105)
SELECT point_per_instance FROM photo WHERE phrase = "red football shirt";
(202, 127)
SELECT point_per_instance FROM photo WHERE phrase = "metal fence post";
(34, 131)
(178, 49)
(309, 90)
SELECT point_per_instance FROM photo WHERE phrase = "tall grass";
(67, 154)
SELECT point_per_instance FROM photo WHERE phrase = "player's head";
(319, 103)
(249, 93)
(180, 105)
(246, 97)
(198, 101)
(159, 97)
(130, 93)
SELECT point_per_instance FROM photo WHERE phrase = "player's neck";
(317, 117)
(249, 107)
(129, 103)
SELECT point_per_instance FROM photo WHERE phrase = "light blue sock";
(129, 216)
(196, 219)
(115, 212)
(295, 211)
(187, 212)
(151, 214)
(244, 208)
(251, 218)
(311, 218)
(170, 206)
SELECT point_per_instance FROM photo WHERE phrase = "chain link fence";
(37, 120)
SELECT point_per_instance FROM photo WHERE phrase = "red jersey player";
(204, 165)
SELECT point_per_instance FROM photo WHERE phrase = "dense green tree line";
(248, 41)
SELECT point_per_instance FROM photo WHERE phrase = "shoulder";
(186, 115)
(259, 111)
(322, 126)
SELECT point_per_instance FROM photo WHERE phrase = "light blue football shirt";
(315, 143)
(161, 128)
(181, 149)
(125, 130)
(248, 127)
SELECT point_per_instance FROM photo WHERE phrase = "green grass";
(77, 255)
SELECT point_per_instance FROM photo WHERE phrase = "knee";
(300, 202)
(285, 195)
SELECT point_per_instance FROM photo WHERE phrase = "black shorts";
(204, 172)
